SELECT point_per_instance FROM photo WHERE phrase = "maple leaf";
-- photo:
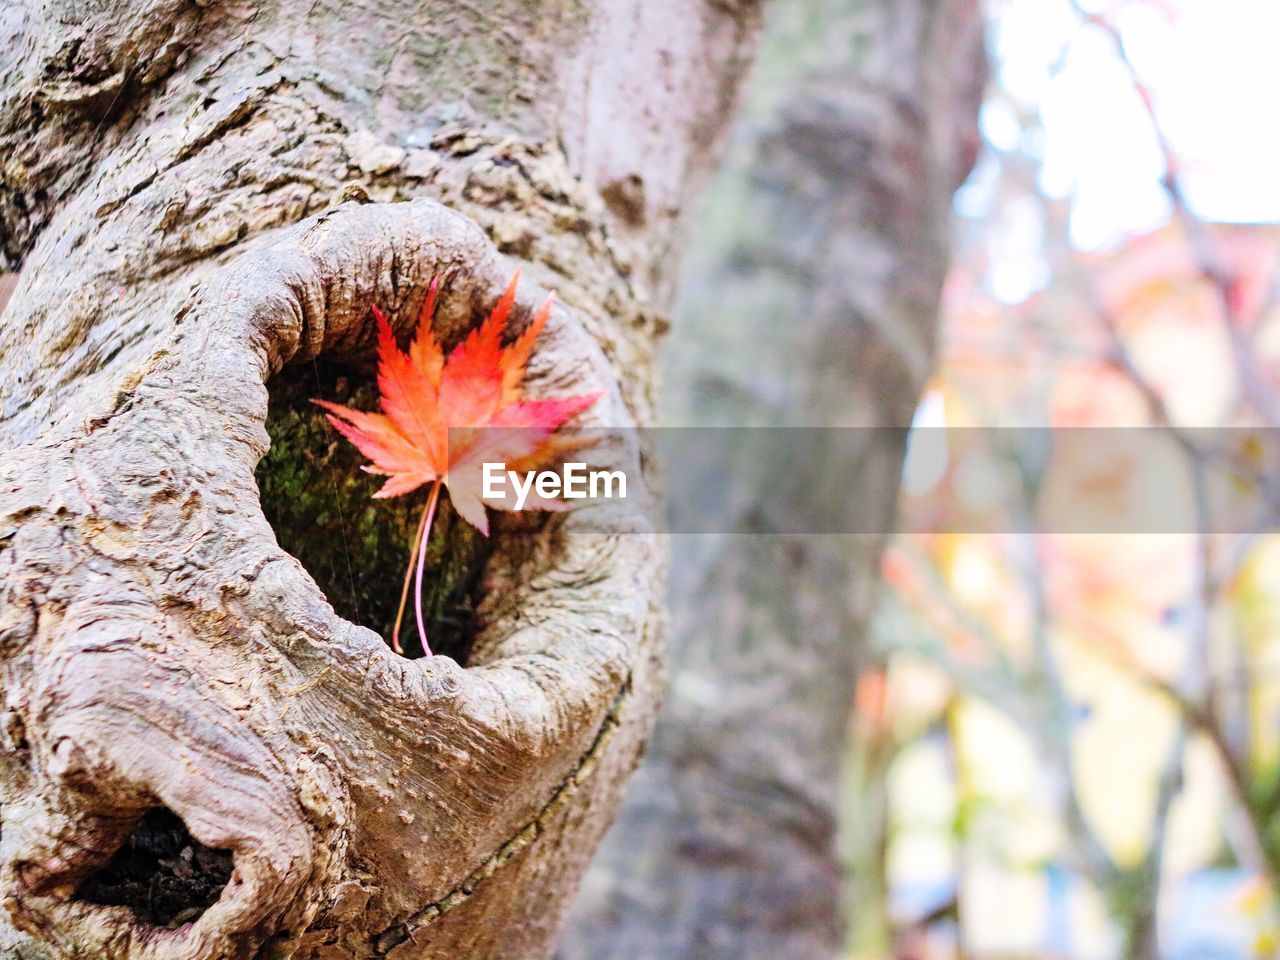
(443, 417)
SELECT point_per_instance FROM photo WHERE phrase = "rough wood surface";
(175, 192)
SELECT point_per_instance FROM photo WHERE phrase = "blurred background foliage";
(1070, 744)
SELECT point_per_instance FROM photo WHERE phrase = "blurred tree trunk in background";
(811, 299)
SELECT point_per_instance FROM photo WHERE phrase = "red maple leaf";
(443, 417)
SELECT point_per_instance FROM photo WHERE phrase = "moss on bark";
(320, 504)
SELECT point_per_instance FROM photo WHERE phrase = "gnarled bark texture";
(174, 189)
(827, 238)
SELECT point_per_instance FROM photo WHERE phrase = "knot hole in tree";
(161, 873)
(320, 502)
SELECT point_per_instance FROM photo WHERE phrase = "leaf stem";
(427, 516)
(408, 579)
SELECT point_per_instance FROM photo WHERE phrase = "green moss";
(318, 500)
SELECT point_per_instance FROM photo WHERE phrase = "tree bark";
(831, 229)
(175, 191)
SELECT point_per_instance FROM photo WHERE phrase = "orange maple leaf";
(443, 417)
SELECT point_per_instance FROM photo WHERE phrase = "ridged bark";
(201, 197)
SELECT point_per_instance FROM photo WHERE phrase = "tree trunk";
(184, 709)
(832, 225)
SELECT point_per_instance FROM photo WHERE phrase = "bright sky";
(1214, 71)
